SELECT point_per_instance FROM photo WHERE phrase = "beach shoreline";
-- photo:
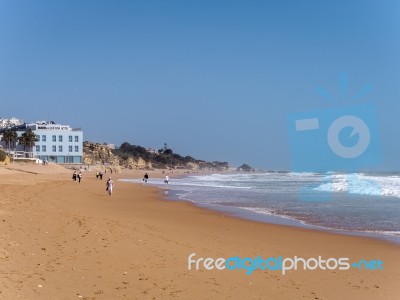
(173, 193)
(63, 239)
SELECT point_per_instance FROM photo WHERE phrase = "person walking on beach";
(74, 176)
(166, 179)
(146, 177)
(79, 176)
(101, 175)
(110, 186)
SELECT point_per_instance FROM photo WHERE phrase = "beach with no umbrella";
(65, 240)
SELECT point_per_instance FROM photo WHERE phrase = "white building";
(57, 143)
(151, 150)
(7, 123)
(110, 146)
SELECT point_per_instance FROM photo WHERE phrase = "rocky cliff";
(137, 157)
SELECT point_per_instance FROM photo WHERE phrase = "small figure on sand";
(166, 180)
(110, 185)
(97, 175)
(74, 176)
(79, 177)
(145, 177)
(101, 175)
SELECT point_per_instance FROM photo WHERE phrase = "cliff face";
(139, 163)
(95, 154)
(137, 157)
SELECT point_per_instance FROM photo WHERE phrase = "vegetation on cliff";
(138, 157)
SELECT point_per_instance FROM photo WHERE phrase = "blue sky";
(213, 79)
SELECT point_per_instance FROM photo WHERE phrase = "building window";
(54, 148)
(76, 138)
(60, 138)
(43, 138)
(59, 148)
(76, 149)
(69, 148)
(54, 138)
(43, 148)
(70, 138)
(37, 138)
(37, 148)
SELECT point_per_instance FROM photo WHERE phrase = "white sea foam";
(362, 184)
(384, 232)
(213, 185)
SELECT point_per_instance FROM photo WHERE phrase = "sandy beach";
(65, 240)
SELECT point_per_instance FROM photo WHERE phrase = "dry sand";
(65, 240)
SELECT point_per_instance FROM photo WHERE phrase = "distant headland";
(140, 158)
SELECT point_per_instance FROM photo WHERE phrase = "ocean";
(360, 203)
